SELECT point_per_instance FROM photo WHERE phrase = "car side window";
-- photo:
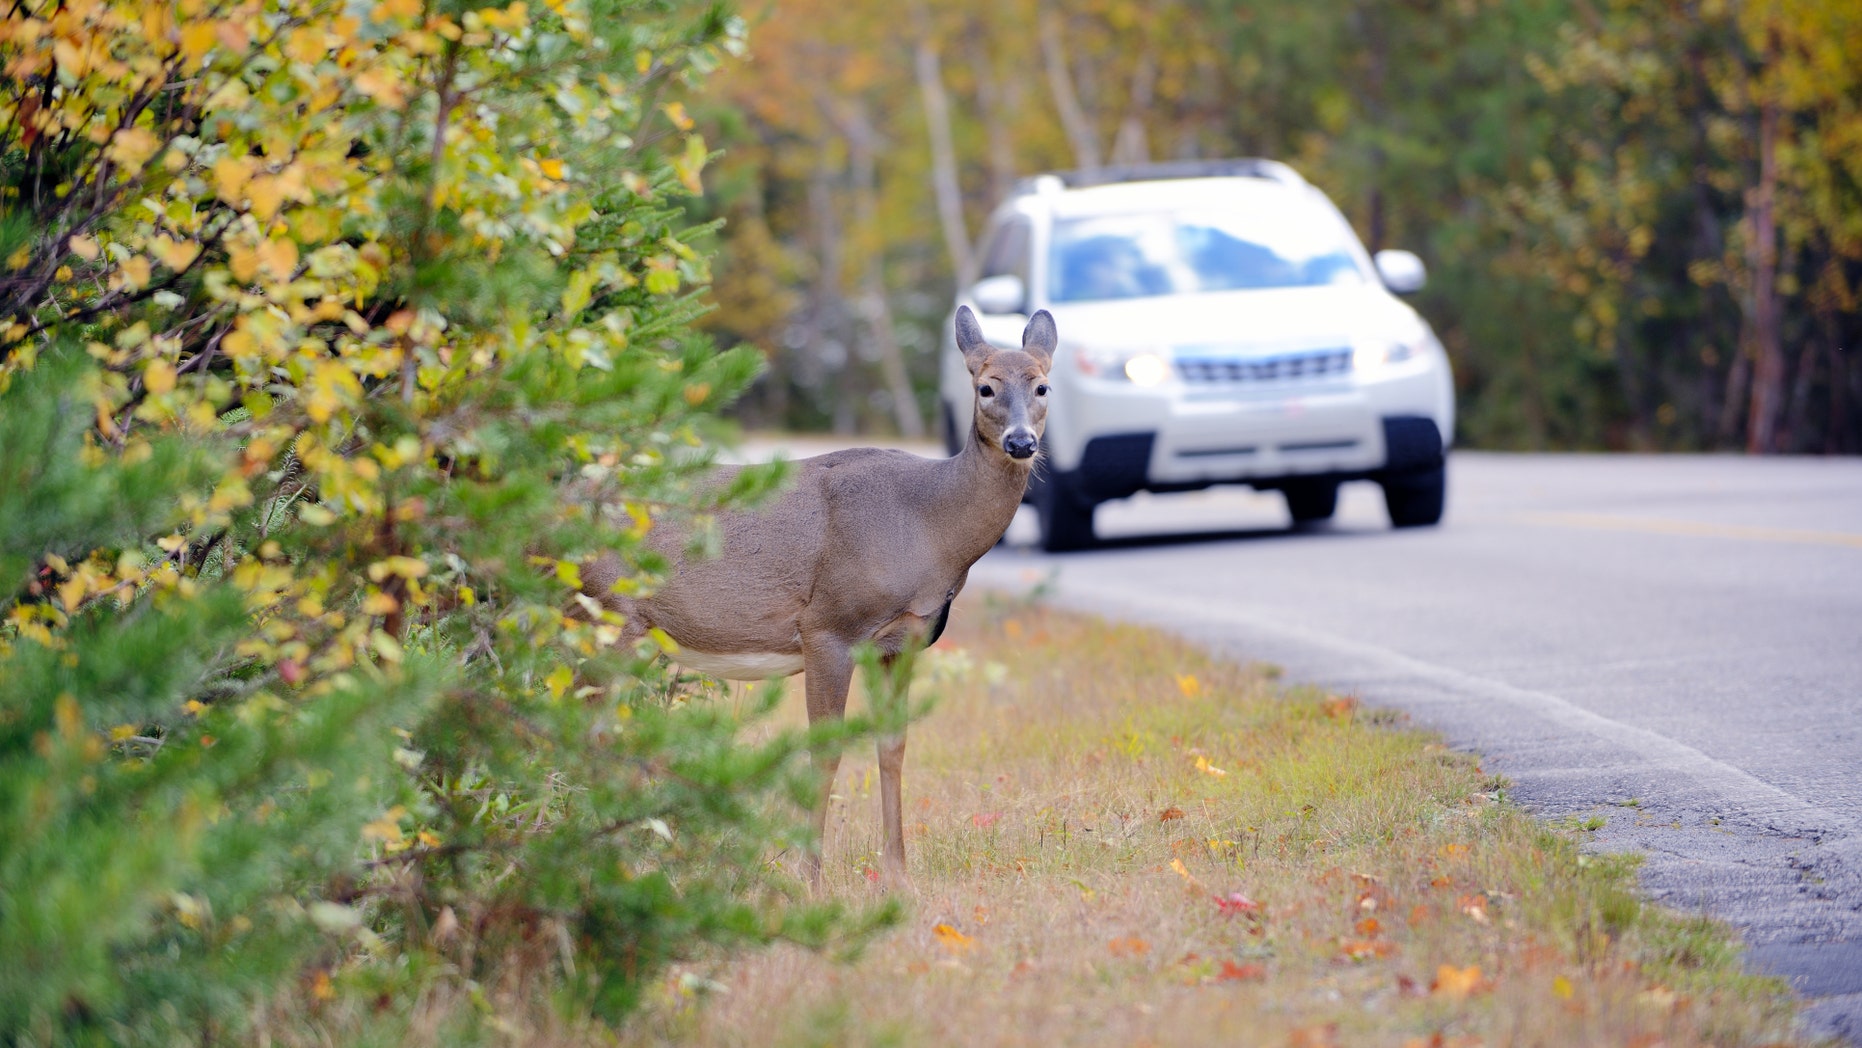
(1008, 251)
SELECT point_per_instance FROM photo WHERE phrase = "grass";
(1116, 839)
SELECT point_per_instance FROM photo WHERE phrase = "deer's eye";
(1041, 390)
(985, 391)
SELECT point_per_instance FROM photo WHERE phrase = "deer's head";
(1011, 384)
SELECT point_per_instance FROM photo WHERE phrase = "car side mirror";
(1402, 272)
(1000, 294)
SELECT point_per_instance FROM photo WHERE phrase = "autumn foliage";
(332, 338)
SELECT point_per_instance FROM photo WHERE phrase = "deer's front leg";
(891, 765)
(828, 670)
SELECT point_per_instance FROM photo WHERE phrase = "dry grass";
(1084, 793)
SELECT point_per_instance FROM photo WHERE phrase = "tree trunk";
(997, 101)
(1767, 351)
(862, 152)
(827, 343)
(1073, 119)
(944, 180)
(1132, 145)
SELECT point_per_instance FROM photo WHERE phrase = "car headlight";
(1372, 354)
(1139, 367)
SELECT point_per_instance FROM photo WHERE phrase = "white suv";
(1219, 323)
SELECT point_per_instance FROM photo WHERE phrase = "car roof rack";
(1242, 167)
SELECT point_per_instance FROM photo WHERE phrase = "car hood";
(1241, 322)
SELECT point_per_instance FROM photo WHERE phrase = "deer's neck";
(984, 487)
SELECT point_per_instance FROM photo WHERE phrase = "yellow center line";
(1664, 526)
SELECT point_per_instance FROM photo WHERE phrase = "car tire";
(1311, 501)
(1066, 516)
(1415, 498)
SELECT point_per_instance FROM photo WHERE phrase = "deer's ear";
(1040, 337)
(970, 340)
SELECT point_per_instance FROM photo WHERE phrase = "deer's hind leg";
(828, 669)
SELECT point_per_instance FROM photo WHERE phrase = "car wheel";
(1311, 501)
(1415, 497)
(1066, 516)
(953, 441)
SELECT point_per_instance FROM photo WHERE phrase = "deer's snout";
(1020, 443)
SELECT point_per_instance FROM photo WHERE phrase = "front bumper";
(1184, 437)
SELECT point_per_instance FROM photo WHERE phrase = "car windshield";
(1181, 252)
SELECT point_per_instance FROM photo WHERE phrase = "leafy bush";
(333, 339)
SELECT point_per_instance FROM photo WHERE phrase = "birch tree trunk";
(875, 310)
(1767, 352)
(944, 179)
(1073, 119)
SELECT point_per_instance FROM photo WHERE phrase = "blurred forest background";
(1642, 218)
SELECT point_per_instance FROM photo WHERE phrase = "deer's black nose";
(1019, 444)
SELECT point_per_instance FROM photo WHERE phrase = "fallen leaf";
(1365, 949)
(1562, 988)
(1203, 765)
(1232, 972)
(1169, 813)
(1131, 946)
(952, 939)
(1474, 906)
(1340, 707)
(1451, 981)
(1368, 927)
(1236, 903)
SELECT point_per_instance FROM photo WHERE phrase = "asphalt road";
(1673, 643)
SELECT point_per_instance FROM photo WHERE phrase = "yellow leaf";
(1188, 685)
(132, 146)
(1562, 988)
(386, 9)
(664, 640)
(159, 376)
(196, 40)
(134, 274)
(175, 254)
(675, 112)
(569, 574)
(951, 939)
(1203, 765)
(121, 732)
(379, 603)
(386, 828)
(83, 247)
(559, 680)
(551, 168)
(230, 175)
(279, 256)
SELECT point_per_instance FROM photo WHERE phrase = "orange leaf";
(951, 939)
(1131, 946)
(1366, 949)
(1188, 685)
(1169, 813)
(1451, 981)
(1340, 707)
(1368, 927)
(1232, 972)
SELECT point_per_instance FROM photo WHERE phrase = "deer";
(867, 545)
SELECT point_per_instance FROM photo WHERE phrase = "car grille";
(1286, 367)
